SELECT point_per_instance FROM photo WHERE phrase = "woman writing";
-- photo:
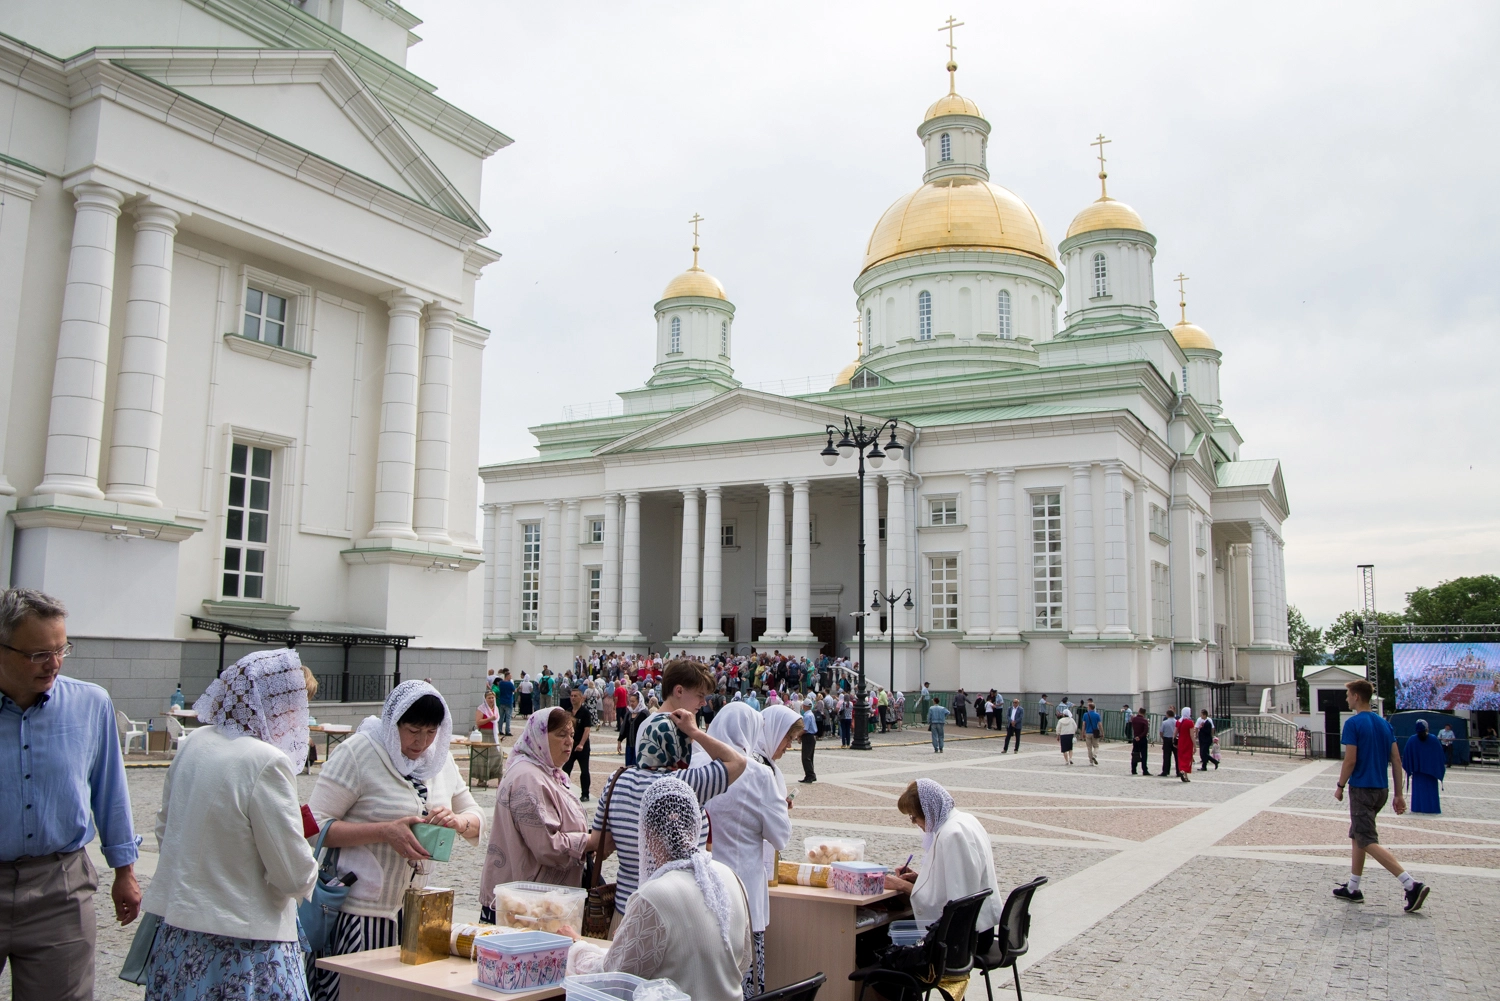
(395, 771)
(956, 855)
(539, 833)
(234, 862)
(1065, 729)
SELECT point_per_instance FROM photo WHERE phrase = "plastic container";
(601, 987)
(521, 962)
(906, 933)
(862, 879)
(540, 906)
(826, 851)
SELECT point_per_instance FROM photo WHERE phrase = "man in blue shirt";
(1093, 729)
(1369, 747)
(937, 718)
(505, 699)
(809, 744)
(60, 755)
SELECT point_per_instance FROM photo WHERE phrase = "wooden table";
(812, 930)
(378, 975)
(489, 758)
(331, 738)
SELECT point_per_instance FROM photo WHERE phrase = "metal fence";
(1262, 735)
(341, 687)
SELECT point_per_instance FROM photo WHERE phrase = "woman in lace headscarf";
(395, 771)
(233, 861)
(956, 856)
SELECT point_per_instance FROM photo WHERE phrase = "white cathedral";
(1071, 513)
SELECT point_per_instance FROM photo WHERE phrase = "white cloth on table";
(960, 862)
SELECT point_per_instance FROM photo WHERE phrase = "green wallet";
(437, 840)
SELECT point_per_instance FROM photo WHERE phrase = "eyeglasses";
(42, 656)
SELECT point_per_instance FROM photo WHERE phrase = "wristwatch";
(1341, 785)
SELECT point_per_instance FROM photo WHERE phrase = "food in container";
(862, 879)
(802, 874)
(540, 906)
(521, 962)
(826, 851)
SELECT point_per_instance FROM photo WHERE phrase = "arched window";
(675, 346)
(924, 316)
(984, 153)
(1101, 275)
(724, 338)
(1003, 329)
(869, 327)
(945, 147)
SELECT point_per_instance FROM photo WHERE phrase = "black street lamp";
(890, 600)
(857, 439)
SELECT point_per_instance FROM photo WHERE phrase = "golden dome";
(695, 281)
(958, 213)
(952, 104)
(1106, 213)
(1190, 335)
(846, 374)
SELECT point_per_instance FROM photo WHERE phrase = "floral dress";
(196, 966)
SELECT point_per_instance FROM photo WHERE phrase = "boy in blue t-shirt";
(1369, 746)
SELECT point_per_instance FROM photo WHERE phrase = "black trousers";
(809, 745)
(1012, 730)
(1205, 744)
(961, 712)
(1168, 755)
(1042, 722)
(580, 755)
(1140, 752)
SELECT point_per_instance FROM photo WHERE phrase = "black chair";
(947, 950)
(804, 991)
(1012, 936)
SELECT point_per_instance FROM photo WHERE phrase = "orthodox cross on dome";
(1181, 281)
(695, 220)
(952, 65)
(1101, 142)
(859, 337)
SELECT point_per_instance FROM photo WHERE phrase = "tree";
(1462, 601)
(1307, 648)
(1347, 647)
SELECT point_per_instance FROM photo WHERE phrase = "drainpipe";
(914, 552)
(1172, 540)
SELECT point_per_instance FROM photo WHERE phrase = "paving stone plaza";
(1219, 888)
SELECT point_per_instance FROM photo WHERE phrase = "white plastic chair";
(176, 733)
(129, 730)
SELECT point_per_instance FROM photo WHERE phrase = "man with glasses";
(64, 774)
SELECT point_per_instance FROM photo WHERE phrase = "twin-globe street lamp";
(857, 439)
(891, 599)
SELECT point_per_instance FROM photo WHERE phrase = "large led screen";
(1447, 676)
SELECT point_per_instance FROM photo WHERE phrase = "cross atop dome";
(952, 63)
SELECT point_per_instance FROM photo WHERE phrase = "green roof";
(1246, 473)
(985, 415)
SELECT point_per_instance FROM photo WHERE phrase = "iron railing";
(341, 687)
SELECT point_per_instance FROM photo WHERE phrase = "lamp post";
(890, 600)
(858, 439)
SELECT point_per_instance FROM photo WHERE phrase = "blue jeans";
(937, 736)
(502, 725)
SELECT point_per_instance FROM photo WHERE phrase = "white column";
(775, 563)
(1260, 584)
(978, 583)
(1007, 620)
(713, 567)
(1280, 579)
(75, 425)
(491, 563)
(609, 577)
(1085, 614)
(505, 560)
(897, 579)
(140, 385)
(872, 554)
(570, 624)
(18, 188)
(689, 578)
(801, 565)
(395, 456)
(1116, 583)
(630, 572)
(551, 571)
(434, 427)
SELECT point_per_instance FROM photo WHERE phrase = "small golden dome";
(1190, 335)
(958, 213)
(846, 375)
(1106, 213)
(952, 104)
(695, 281)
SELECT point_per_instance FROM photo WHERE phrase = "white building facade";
(1071, 513)
(238, 365)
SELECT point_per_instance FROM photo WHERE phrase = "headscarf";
(660, 746)
(671, 823)
(533, 746)
(384, 731)
(774, 724)
(936, 805)
(263, 694)
(1187, 713)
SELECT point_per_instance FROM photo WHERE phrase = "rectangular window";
(812, 531)
(596, 530)
(1202, 537)
(265, 316)
(1161, 583)
(531, 576)
(1159, 523)
(595, 576)
(882, 530)
(247, 522)
(944, 511)
(726, 535)
(1203, 607)
(943, 596)
(1046, 561)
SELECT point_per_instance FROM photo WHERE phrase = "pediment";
(737, 416)
(313, 101)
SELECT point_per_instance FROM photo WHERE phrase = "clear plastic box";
(601, 987)
(906, 933)
(521, 962)
(826, 851)
(540, 906)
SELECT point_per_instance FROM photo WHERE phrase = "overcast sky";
(1325, 173)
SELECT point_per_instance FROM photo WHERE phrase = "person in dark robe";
(1423, 761)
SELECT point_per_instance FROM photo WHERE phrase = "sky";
(1324, 173)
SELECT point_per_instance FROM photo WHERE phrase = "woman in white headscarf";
(395, 771)
(233, 861)
(1185, 728)
(1065, 729)
(956, 856)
